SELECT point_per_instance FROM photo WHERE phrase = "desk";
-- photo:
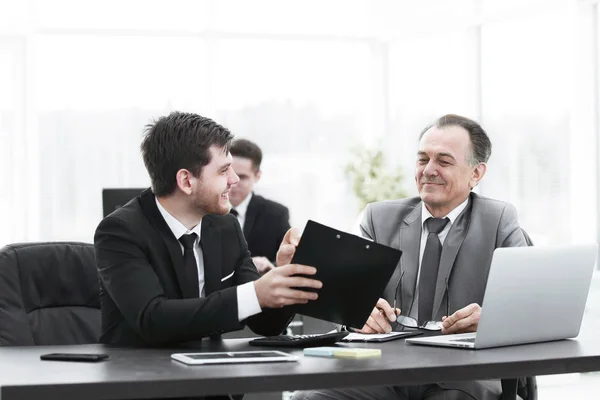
(150, 373)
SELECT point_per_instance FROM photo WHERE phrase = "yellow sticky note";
(348, 352)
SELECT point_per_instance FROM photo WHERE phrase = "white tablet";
(233, 357)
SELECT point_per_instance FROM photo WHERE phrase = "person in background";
(264, 222)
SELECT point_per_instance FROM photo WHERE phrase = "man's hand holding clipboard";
(283, 286)
(287, 249)
(354, 271)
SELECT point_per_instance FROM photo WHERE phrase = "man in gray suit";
(447, 235)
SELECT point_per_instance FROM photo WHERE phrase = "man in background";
(264, 222)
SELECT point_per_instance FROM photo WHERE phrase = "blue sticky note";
(319, 351)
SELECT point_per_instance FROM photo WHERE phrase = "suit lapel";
(450, 249)
(211, 250)
(148, 202)
(410, 242)
(251, 213)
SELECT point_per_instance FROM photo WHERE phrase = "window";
(544, 154)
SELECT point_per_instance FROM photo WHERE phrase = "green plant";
(371, 177)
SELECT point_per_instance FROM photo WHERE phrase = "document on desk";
(354, 272)
(379, 337)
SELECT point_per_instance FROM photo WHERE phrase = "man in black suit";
(263, 221)
(173, 264)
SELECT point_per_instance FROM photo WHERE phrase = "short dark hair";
(180, 141)
(247, 149)
(481, 146)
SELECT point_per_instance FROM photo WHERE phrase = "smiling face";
(210, 191)
(443, 174)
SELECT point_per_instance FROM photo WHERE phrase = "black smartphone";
(74, 357)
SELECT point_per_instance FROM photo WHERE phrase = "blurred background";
(308, 81)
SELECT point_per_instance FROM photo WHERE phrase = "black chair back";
(49, 294)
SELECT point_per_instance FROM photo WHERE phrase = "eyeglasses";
(410, 322)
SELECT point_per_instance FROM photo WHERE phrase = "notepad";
(341, 352)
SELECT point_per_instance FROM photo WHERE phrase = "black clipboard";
(354, 272)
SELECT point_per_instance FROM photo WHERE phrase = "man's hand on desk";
(380, 318)
(278, 287)
(262, 264)
(462, 321)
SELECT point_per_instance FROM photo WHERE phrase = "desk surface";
(150, 373)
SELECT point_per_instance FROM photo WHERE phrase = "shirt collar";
(452, 215)
(177, 227)
(242, 208)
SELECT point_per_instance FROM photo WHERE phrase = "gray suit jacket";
(483, 226)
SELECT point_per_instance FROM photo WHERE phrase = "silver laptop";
(533, 294)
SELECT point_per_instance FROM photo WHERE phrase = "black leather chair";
(527, 237)
(49, 294)
(525, 387)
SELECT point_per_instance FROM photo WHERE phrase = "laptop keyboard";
(469, 340)
(323, 339)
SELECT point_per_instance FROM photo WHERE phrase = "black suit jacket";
(265, 226)
(144, 296)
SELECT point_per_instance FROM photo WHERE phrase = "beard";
(210, 203)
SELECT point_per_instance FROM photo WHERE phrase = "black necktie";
(234, 212)
(189, 263)
(429, 267)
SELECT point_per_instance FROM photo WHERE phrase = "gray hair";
(481, 146)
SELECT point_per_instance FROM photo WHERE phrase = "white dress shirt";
(242, 209)
(246, 294)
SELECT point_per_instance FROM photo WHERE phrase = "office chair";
(116, 198)
(49, 294)
(525, 387)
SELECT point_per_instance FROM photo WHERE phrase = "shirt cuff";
(247, 301)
